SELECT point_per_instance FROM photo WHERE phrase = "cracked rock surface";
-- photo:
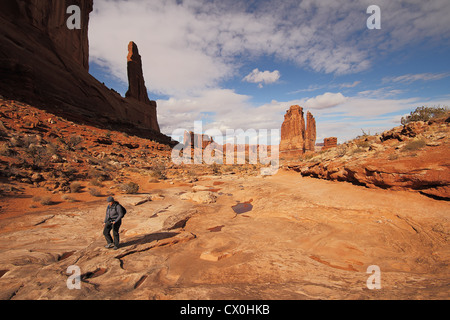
(302, 239)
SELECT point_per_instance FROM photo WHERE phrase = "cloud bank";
(190, 48)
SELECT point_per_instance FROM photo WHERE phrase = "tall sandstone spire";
(293, 131)
(136, 89)
(296, 138)
(310, 139)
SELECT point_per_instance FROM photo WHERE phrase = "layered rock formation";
(329, 143)
(296, 137)
(311, 133)
(45, 64)
(412, 157)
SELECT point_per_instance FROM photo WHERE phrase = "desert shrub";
(74, 140)
(46, 201)
(68, 198)
(130, 188)
(39, 155)
(29, 140)
(363, 143)
(414, 145)
(364, 134)
(98, 175)
(75, 187)
(159, 171)
(425, 114)
(52, 149)
(16, 141)
(96, 182)
(5, 149)
(341, 150)
(215, 168)
(95, 192)
(357, 150)
(3, 130)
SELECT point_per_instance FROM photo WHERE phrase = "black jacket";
(114, 213)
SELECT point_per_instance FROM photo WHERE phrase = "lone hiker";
(113, 220)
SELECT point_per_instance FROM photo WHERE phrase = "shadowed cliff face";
(50, 18)
(44, 63)
(136, 81)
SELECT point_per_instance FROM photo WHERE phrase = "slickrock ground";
(303, 239)
(293, 237)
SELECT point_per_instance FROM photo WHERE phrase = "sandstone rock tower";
(136, 89)
(196, 140)
(310, 138)
(296, 138)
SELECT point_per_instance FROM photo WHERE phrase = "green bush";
(425, 114)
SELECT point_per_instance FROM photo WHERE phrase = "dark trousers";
(107, 232)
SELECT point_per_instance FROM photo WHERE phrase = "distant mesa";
(296, 137)
(194, 140)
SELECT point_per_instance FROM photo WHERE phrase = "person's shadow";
(149, 238)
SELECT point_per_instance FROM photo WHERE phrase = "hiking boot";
(109, 246)
(116, 248)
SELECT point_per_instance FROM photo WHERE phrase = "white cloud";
(261, 77)
(336, 114)
(189, 47)
(409, 78)
(325, 101)
(380, 93)
(349, 85)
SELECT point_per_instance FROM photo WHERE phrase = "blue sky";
(242, 64)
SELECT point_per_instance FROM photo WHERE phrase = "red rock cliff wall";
(44, 63)
(50, 18)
